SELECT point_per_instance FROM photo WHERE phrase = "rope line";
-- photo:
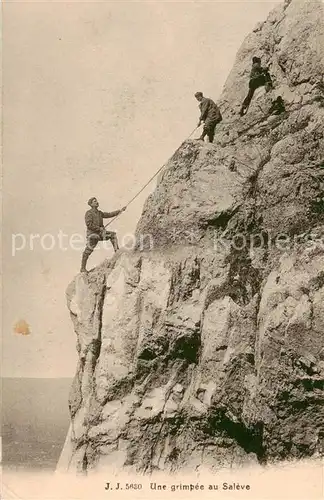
(161, 168)
(150, 180)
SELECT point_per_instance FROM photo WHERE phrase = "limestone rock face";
(204, 347)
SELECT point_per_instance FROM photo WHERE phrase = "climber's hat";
(91, 200)
(199, 94)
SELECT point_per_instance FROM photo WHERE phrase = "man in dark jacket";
(259, 77)
(96, 231)
(209, 114)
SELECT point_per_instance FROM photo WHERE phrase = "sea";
(34, 422)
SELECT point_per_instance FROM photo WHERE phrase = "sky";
(96, 97)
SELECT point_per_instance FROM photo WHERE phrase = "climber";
(96, 231)
(209, 114)
(259, 77)
(277, 106)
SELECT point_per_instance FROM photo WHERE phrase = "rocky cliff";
(203, 348)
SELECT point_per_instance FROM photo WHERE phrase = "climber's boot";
(243, 110)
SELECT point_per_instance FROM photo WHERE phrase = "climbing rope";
(161, 168)
(150, 180)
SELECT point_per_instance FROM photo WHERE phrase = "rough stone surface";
(205, 350)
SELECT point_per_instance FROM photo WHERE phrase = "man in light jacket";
(96, 231)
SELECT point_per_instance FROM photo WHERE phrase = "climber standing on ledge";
(209, 114)
(259, 77)
(96, 231)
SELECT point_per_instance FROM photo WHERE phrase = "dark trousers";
(93, 240)
(255, 83)
(209, 129)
